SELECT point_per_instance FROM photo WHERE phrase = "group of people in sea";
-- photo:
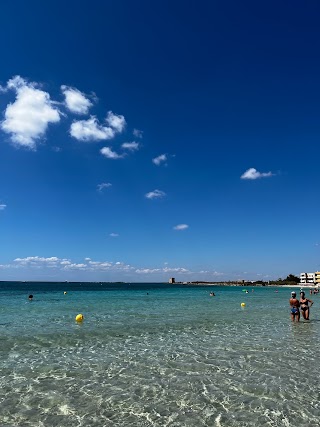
(299, 304)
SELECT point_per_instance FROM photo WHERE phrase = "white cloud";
(90, 130)
(137, 133)
(132, 146)
(75, 267)
(110, 266)
(2, 207)
(36, 260)
(107, 152)
(156, 194)
(4, 266)
(103, 185)
(160, 159)
(181, 227)
(117, 122)
(114, 235)
(148, 270)
(162, 270)
(252, 173)
(28, 117)
(117, 270)
(76, 101)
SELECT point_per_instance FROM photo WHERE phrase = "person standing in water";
(304, 305)
(294, 304)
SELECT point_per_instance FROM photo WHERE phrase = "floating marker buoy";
(243, 304)
(64, 293)
(79, 317)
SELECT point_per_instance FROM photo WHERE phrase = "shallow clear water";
(155, 355)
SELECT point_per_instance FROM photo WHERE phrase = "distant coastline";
(246, 284)
(193, 283)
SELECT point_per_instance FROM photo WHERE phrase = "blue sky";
(146, 140)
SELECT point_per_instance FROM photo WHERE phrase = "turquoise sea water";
(155, 355)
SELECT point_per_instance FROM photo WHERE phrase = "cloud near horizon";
(26, 120)
(56, 265)
(162, 270)
(252, 173)
(2, 207)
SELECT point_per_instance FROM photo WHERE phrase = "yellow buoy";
(243, 304)
(65, 293)
(79, 317)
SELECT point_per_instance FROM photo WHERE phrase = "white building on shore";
(308, 278)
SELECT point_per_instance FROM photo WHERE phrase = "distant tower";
(172, 280)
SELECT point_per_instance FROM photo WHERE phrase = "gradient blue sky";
(219, 104)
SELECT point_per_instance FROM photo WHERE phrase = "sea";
(155, 355)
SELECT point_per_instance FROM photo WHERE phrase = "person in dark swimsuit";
(304, 305)
(294, 307)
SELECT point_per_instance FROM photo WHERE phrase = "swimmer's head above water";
(293, 294)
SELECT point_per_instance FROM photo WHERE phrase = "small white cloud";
(160, 159)
(75, 267)
(76, 101)
(117, 122)
(29, 116)
(103, 185)
(161, 270)
(156, 194)
(181, 227)
(252, 173)
(107, 152)
(2, 207)
(90, 130)
(114, 235)
(137, 133)
(131, 146)
(147, 270)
